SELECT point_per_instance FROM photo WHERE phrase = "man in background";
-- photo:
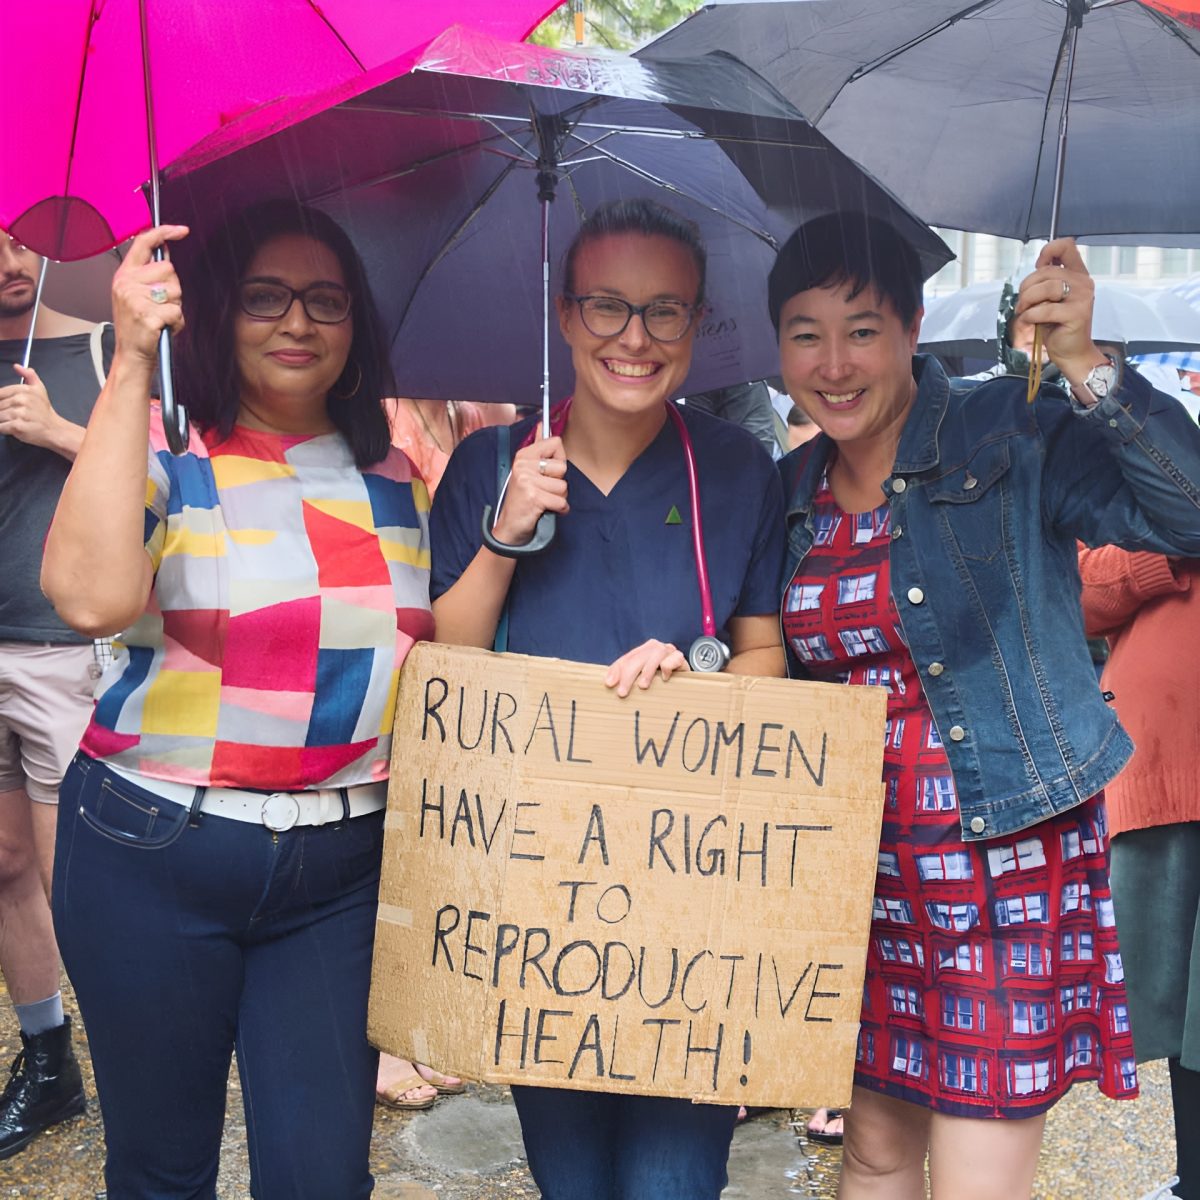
(46, 680)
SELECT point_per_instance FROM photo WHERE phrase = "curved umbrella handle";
(175, 418)
(543, 535)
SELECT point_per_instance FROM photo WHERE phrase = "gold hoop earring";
(349, 392)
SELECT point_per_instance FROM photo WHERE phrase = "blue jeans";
(184, 942)
(601, 1146)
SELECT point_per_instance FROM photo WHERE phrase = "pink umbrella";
(73, 129)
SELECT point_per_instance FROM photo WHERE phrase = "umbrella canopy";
(1183, 360)
(964, 323)
(436, 176)
(954, 104)
(73, 126)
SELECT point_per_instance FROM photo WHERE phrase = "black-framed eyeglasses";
(608, 316)
(268, 300)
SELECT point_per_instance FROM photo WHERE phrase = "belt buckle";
(280, 811)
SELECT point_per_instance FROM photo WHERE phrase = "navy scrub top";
(619, 571)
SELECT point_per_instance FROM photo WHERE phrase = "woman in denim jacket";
(931, 534)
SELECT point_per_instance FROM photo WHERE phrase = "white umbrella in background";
(965, 323)
(1182, 360)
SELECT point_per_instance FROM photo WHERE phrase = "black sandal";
(826, 1139)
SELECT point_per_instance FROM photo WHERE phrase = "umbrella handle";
(543, 535)
(175, 418)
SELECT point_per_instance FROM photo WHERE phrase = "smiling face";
(288, 364)
(629, 374)
(847, 362)
(19, 269)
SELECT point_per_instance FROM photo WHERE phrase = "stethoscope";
(707, 653)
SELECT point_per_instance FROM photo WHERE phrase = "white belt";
(278, 811)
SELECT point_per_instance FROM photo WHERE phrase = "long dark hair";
(207, 379)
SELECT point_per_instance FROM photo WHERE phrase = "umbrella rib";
(1171, 28)
(448, 244)
(93, 17)
(650, 177)
(316, 11)
(387, 176)
(1037, 170)
(425, 114)
(884, 59)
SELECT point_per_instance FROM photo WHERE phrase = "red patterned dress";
(994, 980)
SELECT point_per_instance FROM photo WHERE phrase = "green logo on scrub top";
(673, 517)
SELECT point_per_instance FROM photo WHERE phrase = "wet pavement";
(469, 1148)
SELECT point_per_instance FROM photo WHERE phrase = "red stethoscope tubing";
(708, 621)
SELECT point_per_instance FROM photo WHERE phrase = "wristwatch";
(1101, 380)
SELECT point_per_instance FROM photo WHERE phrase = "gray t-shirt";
(32, 478)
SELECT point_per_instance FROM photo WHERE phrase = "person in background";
(221, 829)
(428, 430)
(1148, 606)
(622, 570)
(801, 427)
(745, 404)
(931, 550)
(46, 678)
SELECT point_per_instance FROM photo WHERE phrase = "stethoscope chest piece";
(708, 654)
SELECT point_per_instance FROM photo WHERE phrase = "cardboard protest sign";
(668, 894)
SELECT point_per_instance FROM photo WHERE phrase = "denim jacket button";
(898, 485)
(978, 824)
(957, 733)
(896, 532)
(935, 668)
(916, 596)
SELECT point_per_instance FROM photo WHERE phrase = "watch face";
(1101, 380)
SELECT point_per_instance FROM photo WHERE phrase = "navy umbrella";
(958, 105)
(438, 174)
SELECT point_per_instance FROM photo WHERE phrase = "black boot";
(44, 1087)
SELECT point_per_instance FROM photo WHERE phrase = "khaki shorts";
(45, 705)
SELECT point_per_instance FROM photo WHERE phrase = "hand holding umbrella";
(536, 487)
(147, 297)
(1057, 298)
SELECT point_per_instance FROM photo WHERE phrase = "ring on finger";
(1066, 289)
(158, 294)
(543, 463)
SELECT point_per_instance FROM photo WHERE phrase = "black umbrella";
(960, 106)
(437, 176)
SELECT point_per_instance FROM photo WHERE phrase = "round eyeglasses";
(268, 300)
(608, 316)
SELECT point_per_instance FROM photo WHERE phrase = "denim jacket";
(988, 495)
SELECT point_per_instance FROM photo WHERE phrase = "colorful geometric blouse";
(288, 588)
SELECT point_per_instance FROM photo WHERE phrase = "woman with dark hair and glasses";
(221, 827)
(619, 585)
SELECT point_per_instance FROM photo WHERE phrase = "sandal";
(821, 1135)
(393, 1097)
(442, 1082)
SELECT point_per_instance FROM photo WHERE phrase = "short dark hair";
(851, 248)
(641, 216)
(207, 379)
(798, 417)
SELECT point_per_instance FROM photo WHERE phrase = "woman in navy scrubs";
(619, 585)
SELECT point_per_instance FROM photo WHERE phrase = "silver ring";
(1066, 289)
(542, 465)
(158, 294)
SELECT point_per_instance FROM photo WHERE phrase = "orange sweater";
(1148, 606)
